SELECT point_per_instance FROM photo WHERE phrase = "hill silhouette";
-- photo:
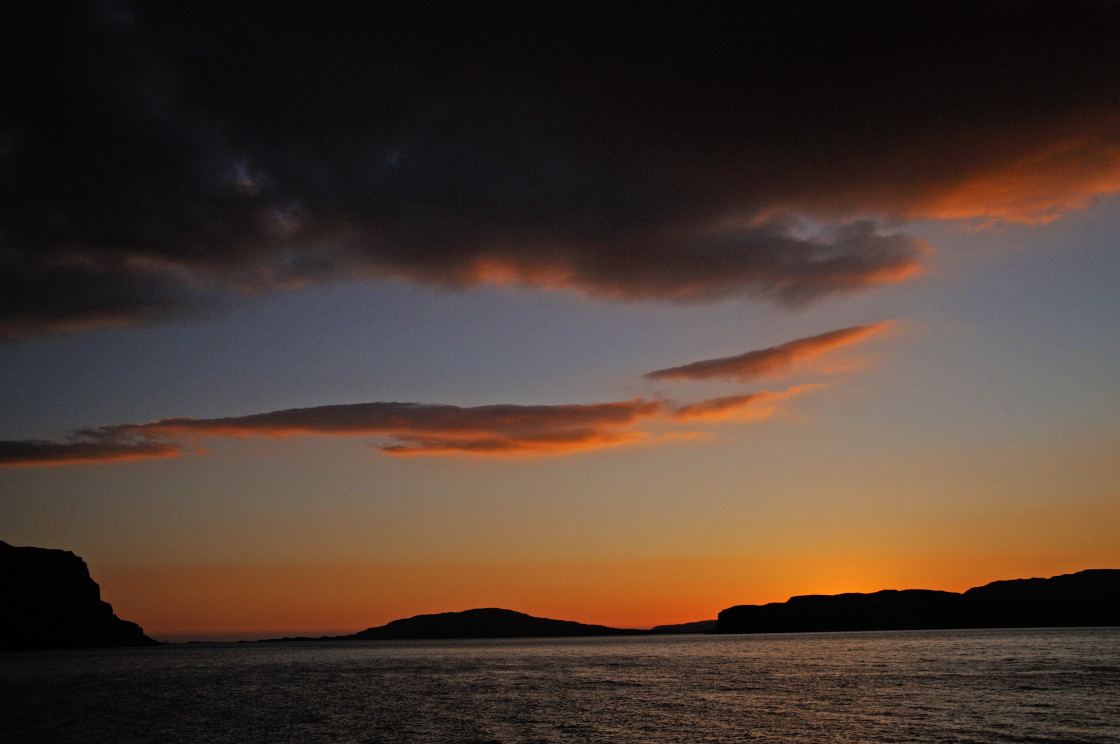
(50, 601)
(1087, 598)
(487, 622)
(696, 626)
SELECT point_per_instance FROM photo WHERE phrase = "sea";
(969, 686)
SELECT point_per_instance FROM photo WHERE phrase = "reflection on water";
(944, 686)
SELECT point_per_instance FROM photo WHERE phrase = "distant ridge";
(1087, 598)
(697, 626)
(487, 622)
(49, 601)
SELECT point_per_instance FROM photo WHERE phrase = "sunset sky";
(313, 321)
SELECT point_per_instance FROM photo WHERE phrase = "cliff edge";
(50, 601)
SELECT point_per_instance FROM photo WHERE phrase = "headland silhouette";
(1086, 598)
(50, 601)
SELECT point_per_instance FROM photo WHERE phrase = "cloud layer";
(435, 429)
(403, 429)
(188, 153)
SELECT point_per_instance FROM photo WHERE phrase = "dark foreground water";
(945, 686)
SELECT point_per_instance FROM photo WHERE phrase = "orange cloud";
(743, 407)
(480, 428)
(436, 429)
(1039, 185)
(722, 409)
(409, 428)
(550, 443)
(776, 361)
(406, 428)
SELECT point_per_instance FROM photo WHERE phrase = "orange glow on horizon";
(317, 599)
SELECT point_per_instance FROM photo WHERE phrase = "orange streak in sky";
(551, 445)
(336, 598)
(749, 406)
(500, 271)
(775, 361)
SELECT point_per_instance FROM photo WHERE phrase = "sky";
(311, 319)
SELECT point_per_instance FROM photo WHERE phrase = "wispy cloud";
(550, 443)
(744, 407)
(775, 361)
(404, 428)
(437, 429)
(414, 427)
(682, 163)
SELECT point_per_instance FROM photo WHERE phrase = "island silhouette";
(50, 601)
(489, 622)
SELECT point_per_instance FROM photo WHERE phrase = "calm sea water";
(946, 686)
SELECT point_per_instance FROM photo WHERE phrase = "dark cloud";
(154, 155)
(776, 361)
(82, 449)
(73, 293)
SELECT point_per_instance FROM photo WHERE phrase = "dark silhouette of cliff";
(1087, 598)
(50, 601)
(484, 623)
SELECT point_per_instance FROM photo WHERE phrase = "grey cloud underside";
(189, 152)
(394, 428)
(391, 417)
(410, 428)
(400, 428)
(87, 447)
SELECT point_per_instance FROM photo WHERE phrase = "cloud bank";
(187, 154)
(438, 429)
